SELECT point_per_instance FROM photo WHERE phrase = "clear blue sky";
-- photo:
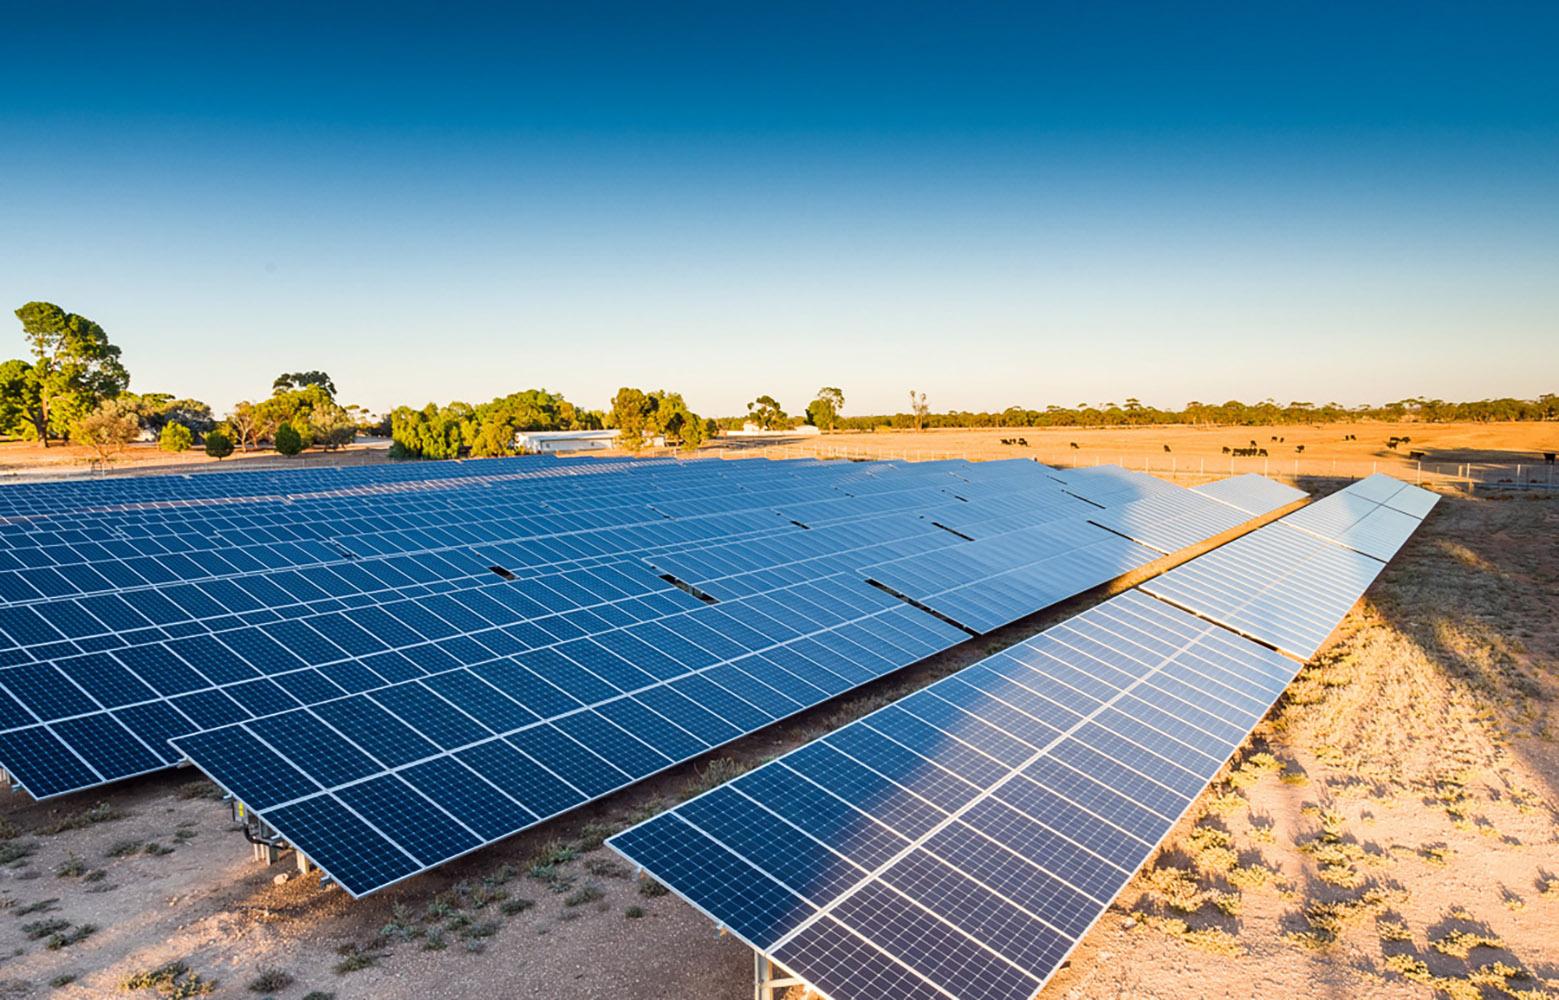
(1034, 203)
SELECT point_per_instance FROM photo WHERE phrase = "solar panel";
(959, 842)
(1370, 516)
(529, 736)
(1252, 493)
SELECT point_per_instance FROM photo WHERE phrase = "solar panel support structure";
(769, 981)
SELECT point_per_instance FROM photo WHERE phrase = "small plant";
(583, 895)
(12, 851)
(43, 928)
(318, 995)
(649, 888)
(288, 441)
(201, 789)
(62, 980)
(156, 850)
(434, 940)
(71, 867)
(270, 981)
(64, 939)
(354, 958)
(218, 445)
(172, 981)
(123, 849)
(606, 868)
(634, 912)
(102, 812)
(514, 906)
(41, 906)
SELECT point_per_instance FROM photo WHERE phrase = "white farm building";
(549, 441)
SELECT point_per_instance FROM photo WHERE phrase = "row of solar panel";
(377, 787)
(959, 842)
(104, 681)
(968, 834)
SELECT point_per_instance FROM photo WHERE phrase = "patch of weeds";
(1393, 930)
(199, 790)
(484, 896)
(102, 812)
(514, 906)
(1436, 854)
(1208, 939)
(1327, 920)
(634, 912)
(649, 888)
(41, 906)
(354, 958)
(43, 928)
(62, 980)
(715, 773)
(1337, 857)
(1459, 944)
(606, 868)
(434, 940)
(485, 929)
(123, 849)
(12, 851)
(554, 853)
(71, 867)
(270, 981)
(156, 850)
(65, 939)
(172, 981)
(401, 924)
(94, 875)
(583, 895)
(502, 875)
(594, 833)
(318, 995)
(1179, 890)
(184, 834)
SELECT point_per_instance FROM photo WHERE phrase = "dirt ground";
(1391, 831)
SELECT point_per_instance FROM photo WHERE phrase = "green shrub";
(175, 437)
(288, 441)
(218, 445)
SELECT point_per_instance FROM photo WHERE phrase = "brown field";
(1392, 830)
(1199, 450)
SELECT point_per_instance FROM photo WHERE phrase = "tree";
(765, 411)
(20, 413)
(918, 407)
(218, 445)
(175, 438)
(107, 430)
(75, 367)
(823, 412)
(245, 420)
(631, 410)
(287, 381)
(157, 410)
(288, 441)
(331, 425)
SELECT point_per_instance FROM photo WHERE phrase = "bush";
(175, 437)
(288, 441)
(218, 445)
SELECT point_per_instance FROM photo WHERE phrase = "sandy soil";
(1392, 831)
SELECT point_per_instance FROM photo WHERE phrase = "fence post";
(1419, 481)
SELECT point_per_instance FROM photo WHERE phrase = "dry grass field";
(1392, 830)
(1304, 450)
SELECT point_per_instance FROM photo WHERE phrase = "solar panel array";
(959, 842)
(398, 664)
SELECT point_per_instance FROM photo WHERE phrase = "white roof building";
(538, 442)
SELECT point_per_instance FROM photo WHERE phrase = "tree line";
(76, 388)
(825, 414)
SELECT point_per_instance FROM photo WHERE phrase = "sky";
(1030, 204)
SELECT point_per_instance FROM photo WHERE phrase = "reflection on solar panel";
(1287, 584)
(1250, 492)
(959, 842)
